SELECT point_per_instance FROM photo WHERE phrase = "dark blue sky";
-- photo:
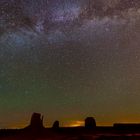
(68, 60)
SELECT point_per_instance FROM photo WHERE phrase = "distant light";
(76, 124)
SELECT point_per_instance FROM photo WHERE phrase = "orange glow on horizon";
(75, 124)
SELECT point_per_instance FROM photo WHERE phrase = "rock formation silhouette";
(55, 125)
(90, 123)
(36, 123)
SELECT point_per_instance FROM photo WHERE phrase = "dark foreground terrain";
(79, 133)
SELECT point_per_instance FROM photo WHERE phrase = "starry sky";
(69, 59)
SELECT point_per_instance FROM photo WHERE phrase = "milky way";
(69, 59)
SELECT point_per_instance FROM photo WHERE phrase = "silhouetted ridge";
(127, 126)
(36, 131)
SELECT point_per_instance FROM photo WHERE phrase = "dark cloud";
(12, 15)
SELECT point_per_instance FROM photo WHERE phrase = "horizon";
(69, 124)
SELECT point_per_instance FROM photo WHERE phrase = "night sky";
(69, 59)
